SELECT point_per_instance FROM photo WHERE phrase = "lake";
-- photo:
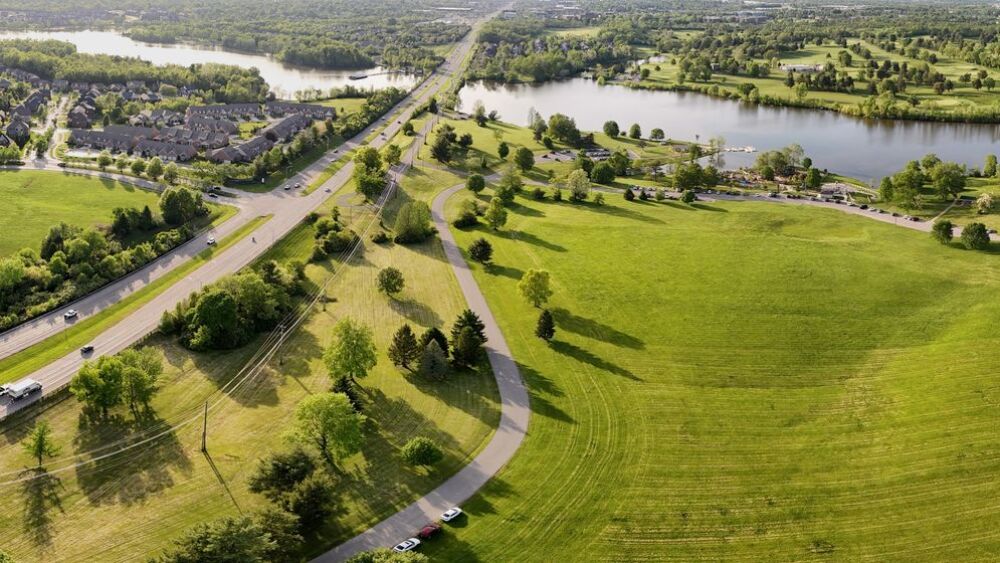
(283, 79)
(863, 149)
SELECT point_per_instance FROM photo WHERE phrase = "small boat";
(358, 76)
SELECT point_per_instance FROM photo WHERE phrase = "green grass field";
(31, 201)
(742, 381)
(132, 507)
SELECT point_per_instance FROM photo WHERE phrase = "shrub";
(975, 236)
(465, 220)
(422, 451)
(413, 222)
(380, 237)
(538, 194)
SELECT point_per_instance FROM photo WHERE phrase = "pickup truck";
(20, 389)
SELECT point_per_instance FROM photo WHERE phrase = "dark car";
(894, 214)
(429, 531)
(863, 206)
(87, 349)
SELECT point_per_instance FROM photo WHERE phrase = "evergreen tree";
(546, 327)
(433, 362)
(434, 334)
(404, 349)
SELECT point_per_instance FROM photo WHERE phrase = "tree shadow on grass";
(678, 205)
(131, 476)
(586, 357)
(524, 210)
(524, 236)
(704, 207)
(455, 392)
(41, 495)
(540, 388)
(415, 311)
(620, 212)
(505, 271)
(595, 330)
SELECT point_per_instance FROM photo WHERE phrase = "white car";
(71, 314)
(210, 241)
(406, 545)
(451, 514)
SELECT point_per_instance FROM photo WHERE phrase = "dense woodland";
(59, 60)
(338, 35)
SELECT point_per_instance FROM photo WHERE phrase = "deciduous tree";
(352, 353)
(535, 287)
(328, 422)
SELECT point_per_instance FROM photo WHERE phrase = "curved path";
(514, 414)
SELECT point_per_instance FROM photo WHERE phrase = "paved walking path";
(514, 414)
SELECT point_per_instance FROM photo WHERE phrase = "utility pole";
(204, 430)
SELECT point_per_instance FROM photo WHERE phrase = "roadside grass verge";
(43, 353)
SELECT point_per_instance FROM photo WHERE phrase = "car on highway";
(71, 314)
(213, 195)
(210, 241)
(406, 545)
(20, 389)
(87, 349)
(286, 187)
(429, 531)
(451, 514)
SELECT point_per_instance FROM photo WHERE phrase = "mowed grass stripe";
(745, 381)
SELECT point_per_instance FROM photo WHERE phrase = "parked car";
(210, 241)
(71, 314)
(286, 187)
(87, 349)
(429, 531)
(451, 514)
(213, 195)
(864, 206)
(406, 545)
(894, 214)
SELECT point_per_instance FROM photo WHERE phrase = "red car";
(429, 531)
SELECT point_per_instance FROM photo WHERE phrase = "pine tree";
(546, 327)
(434, 334)
(466, 348)
(468, 318)
(433, 362)
(39, 442)
(404, 349)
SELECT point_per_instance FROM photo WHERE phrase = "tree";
(421, 451)
(942, 231)
(657, 134)
(535, 287)
(602, 173)
(886, 191)
(990, 168)
(434, 334)
(99, 384)
(546, 327)
(138, 166)
(689, 197)
(433, 361)
(578, 184)
(368, 157)
(948, 178)
(975, 236)
(312, 501)
(390, 281)
(503, 150)
(39, 443)
(155, 168)
(496, 215)
(688, 175)
(413, 222)
(481, 251)
(404, 350)
(352, 353)
(466, 347)
(564, 129)
(611, 128)
(635, 132)
(143, 368)
(814, 179)
(468, 318)
(476, 183)
(508, 186)
(369, 182)
(232, 539)
(393, 154)
(328, 422)
(104, 160)
(280, 472)
(178, 205)
(524, 158)
(121, 163)
(629, 194)
(441, 149)
(170, 173)
(984, 203)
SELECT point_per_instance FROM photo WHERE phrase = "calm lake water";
(283, 79)
(863, 149)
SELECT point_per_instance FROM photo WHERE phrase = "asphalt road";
(514, 415)
(287, 209)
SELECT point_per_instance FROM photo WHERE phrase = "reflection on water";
(864, 149)
(283, 79)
